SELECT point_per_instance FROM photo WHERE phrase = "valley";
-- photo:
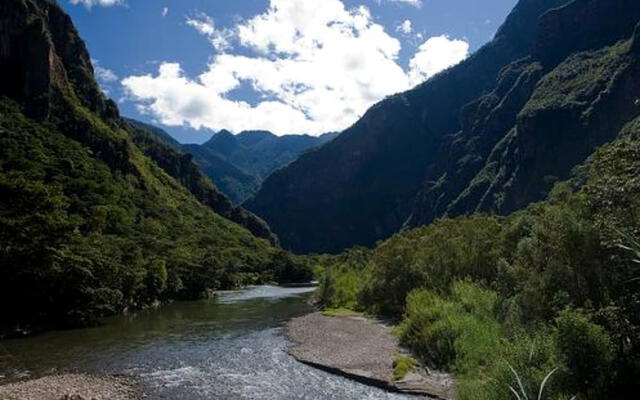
(473, 236)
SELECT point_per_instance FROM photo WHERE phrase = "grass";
(402, 365)
(340, 312)
(521, 394)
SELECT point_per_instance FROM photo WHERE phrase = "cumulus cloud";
(91, 3)
(435, 55)
(406, 27)
(314, 66)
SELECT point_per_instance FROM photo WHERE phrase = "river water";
(231, 347)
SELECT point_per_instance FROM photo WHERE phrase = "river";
(231, 347)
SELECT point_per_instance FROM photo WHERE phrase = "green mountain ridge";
(480, 136)
(98, 216)
(238, 164)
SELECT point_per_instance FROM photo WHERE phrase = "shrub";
(456, 333)
(521, 364)
(586, 349)
(402, 365)
(339, 288)
(432, 257)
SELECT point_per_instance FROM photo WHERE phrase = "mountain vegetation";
(97, 216)
(542, 301)
(238, 164)
(492, 134)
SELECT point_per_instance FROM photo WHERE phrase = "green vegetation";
(402, 365)
(340, 312)
(341, 279)
(239, 163)
(540, 304)
(80, 239)
(99, 215)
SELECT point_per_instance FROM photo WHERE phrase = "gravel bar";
(70, 387)
(362, 349)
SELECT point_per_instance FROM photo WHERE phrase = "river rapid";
(231, 347)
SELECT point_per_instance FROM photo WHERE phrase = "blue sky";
(289, 66)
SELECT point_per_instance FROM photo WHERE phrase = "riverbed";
(231, 347)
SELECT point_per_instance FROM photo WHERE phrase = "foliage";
(81, 237)
(340, 312)
(505, 301)
(402, 365)
(454, 332)
(340, 283)
(587, 351)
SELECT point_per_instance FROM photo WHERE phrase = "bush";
(456, 333)
(341, 281)
(586, 350)
(522, 364)
(432, 257)
(402, 365)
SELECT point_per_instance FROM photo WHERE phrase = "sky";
(194, 67)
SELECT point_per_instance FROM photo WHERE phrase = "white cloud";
(204, 24)
(104, 75)
(406, 27)
(315, 66)
(434, 55)
(91, 3)
(415, 3)
(165, 11)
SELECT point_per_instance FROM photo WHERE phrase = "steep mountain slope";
(239, 163)
(90, 224)
(468, 139)
(533, 134)
(166, 152)
(158, 133)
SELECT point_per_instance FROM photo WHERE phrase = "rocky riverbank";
(70, 387)
(362, 349)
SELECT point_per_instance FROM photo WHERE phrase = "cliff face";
(425, 153)
(578, 99)
(41, 51)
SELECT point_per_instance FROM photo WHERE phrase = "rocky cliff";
(480, 136)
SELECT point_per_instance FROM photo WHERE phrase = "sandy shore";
(362, 349)
(70, 387)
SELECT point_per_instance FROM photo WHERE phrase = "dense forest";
(97, 216)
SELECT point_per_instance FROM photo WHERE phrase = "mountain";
(158, 133)
(491, 134)
(97, 215)
(166, 152)
(239, 163)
